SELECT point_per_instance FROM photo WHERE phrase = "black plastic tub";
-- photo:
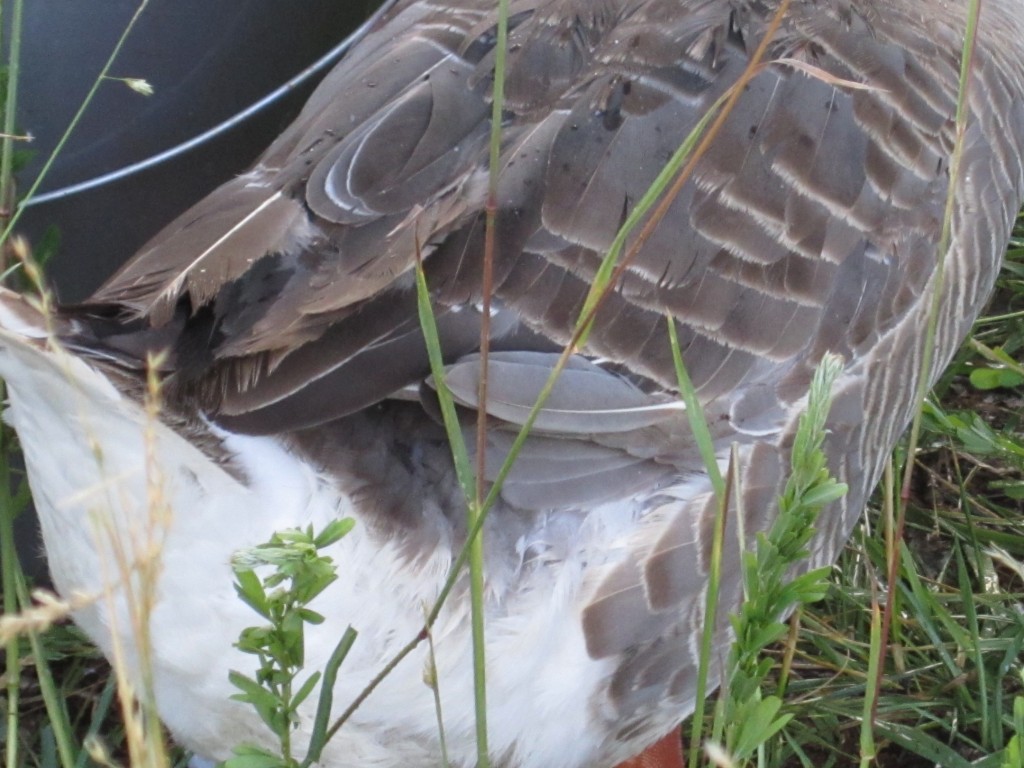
(206, 60)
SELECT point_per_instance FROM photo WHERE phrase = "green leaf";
(243, 682)
(824, 494)
(250, 589)
(310, 616)
(995, 378)
(293, 535)
(758, 724)
(248, 756)
(315, 581)
(254, 639)
(267, 705)
(304, 690)
(334, 531)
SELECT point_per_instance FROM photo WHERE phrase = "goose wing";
(298, 274)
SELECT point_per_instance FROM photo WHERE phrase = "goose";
(279, 315)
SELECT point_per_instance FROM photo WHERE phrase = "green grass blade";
(11, 108)
(695, 415)
(318, 738)
(103, 706)
(868, 750)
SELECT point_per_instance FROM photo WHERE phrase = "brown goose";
(295, 364)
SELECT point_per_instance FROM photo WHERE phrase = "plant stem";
(10, 110)
(9, 561)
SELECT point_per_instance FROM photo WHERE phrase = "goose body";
(295, 377)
